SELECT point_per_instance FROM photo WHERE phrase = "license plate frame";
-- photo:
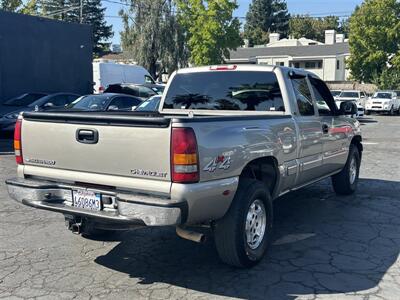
(88, 200)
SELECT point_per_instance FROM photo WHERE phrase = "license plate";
(86, 200)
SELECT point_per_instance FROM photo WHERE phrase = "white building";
(327, 60)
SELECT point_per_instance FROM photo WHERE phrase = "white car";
(383, 102)
(336, 93)
(358, 97)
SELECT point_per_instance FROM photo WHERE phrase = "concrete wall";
(43, 55)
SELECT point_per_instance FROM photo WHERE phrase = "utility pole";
(80, 11)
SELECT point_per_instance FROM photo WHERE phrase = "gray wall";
(43, 55)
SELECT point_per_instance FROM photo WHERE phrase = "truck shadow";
(323, 244)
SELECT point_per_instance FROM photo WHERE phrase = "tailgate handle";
(87, 136)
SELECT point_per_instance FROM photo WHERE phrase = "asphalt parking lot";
(325, 247)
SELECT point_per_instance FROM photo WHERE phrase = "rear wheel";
(367, 112)
(244, 233)
(345, 182)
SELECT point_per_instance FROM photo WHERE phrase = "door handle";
(87, 136)
(325, 128)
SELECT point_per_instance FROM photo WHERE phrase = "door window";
(123, 103)
(303, 97)
(323, 97)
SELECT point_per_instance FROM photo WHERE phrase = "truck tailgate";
(126, 148)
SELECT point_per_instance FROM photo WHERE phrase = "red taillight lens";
(184, 158)
(101, 89)
(18, 142)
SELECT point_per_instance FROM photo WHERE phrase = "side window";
(323, 97)
(59, 100)
(303, 96)
(123, 103)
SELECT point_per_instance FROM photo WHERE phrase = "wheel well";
(264, 169)
(357, 142)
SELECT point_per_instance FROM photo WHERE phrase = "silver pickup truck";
(226, 141)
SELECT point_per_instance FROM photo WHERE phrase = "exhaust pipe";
(190, 235)
(75, 228)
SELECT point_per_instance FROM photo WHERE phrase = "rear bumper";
(186, 203)
(150, 211)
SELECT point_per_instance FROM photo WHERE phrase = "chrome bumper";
(144, 210)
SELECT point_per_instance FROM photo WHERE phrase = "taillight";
(184, 156)
(101, 89)
(18, 142)
(223, 67)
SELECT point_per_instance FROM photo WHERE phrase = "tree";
(93, 13)
(153, 36)
(375, 42)
(211, 29)
(10, 5)
(264, 17)
(312, 28)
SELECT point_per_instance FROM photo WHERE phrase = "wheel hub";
(256, 221)
(353, 170)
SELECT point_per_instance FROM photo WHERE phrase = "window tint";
(225, 90)
(124, 103)
(59, 100)
(323, 97)
(303, 97)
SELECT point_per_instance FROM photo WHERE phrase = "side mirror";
(113, 107)
(134, 107)
(348, 108)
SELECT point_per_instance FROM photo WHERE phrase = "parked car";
(358, 97)
(106, 73)
(144, 91)
(52, 101)
(209, 159)
(335, 93)
(19, 101)
(151, 105)
(105, 102)
(383, 102)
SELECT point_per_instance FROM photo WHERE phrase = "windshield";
(24, 99)
(90, 102)
(335, 93)
(225, 90)
(150, 104)
(382, 95)
(349, 95)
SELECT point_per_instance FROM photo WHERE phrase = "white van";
(106, 73)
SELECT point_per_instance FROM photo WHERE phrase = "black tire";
(391, 112)
(343, 183)
(230, 231)
(367, 112)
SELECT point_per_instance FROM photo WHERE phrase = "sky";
(315, 8)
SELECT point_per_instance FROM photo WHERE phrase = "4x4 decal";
(219, 162)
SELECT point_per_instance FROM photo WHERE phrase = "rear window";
(225, 90)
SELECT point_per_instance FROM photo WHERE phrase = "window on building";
(310, 65)
(280, 63)
(313, 64)
(338, 64)
(297, 65)
(303, 96)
